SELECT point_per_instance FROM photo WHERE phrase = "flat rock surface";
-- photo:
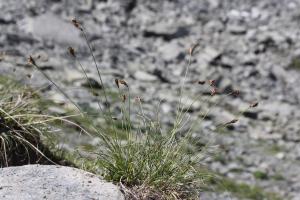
(36, 182)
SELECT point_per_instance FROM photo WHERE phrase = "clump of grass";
(23, 127)
(149, 163)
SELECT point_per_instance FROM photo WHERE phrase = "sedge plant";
(150, 163)
(24, 128)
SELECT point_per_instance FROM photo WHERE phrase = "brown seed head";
(192, 49)
(72, 51)
(253, 105)
(236, 93)
(138, 99)
(77, 24)
(122, 82)
(117, 82)
(124, 98)
(213, 91)
(232, 122)
(31, 61)
(212, 82)
(201, 82)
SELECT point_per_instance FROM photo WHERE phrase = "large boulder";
(36, 182)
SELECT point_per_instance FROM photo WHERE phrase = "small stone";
(57, 97)
(72, 75)
(85, 5)
(227, 62)
(165, 30)
(214, 25)
(144, 76)
(171, 51)
(56, 110)
(280, 155)
(166, 108)
(49, 27)
(234, 15)
(251, 114)
(237, 29)
(207, 56)
(255, 13)
(91, 83)
(190, 104)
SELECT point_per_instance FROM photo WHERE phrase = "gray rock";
(217, 196)
(85, 5)
(144, 76)
(165, 30)
(49, 27)
(207, 56)
(171, 51)
(237, 29)
(214, 25)
(36, 182)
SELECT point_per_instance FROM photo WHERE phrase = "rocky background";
(249, 45)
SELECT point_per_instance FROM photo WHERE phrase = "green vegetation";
(278, 177)
(145, 161)
(260, 175)
(243, 191)
(25, 131)
(275, 148)
(21, 125)
(295, 64)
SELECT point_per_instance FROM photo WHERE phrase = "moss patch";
(295, 64)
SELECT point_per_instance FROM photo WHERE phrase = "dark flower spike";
(212, 82)
(123, 82)
(117, 82)
(31, 61)
(253, 105)
(236, 93)
(193, 48)
(201, 82)
(77, 24)
(72, 51)
(231, 122)
(124, 98)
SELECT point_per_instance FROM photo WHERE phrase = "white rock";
(49, 27)
(144, 76)
(36, 182)
(170, 51)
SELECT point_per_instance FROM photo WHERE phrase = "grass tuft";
(21, 125)
(135, 151)
(24, 128)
